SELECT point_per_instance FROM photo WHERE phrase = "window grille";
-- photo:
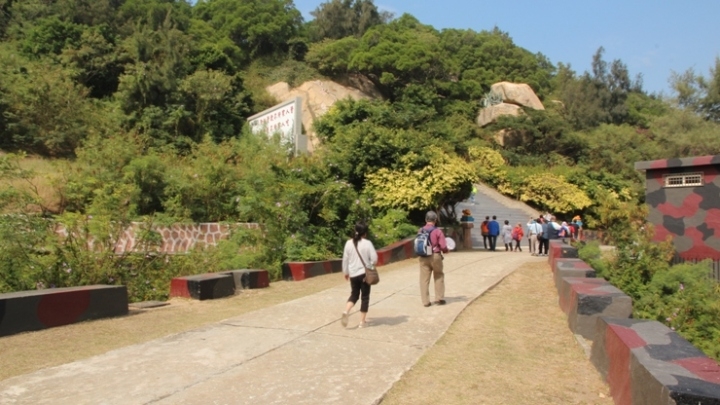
(684, 180)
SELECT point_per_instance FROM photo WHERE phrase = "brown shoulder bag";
(371, 274)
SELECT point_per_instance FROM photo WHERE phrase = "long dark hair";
(361, 230)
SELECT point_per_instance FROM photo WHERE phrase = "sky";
(652, 37)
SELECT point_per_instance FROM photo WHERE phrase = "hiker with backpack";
(430, 245)
(485, 232)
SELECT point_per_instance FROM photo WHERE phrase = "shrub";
(487, 163)
(390, 228)
(685, 298)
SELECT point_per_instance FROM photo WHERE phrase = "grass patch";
(44, 183)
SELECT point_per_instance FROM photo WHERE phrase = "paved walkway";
(292, 353)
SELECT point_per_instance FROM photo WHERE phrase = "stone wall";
(175, 238)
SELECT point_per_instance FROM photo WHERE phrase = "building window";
(684, 180)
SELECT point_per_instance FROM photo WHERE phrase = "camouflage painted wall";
(689, 215)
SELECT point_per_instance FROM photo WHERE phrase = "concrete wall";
(643, 361)
(25, 311)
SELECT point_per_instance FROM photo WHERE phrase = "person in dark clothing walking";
(493, 232)
(544, 243)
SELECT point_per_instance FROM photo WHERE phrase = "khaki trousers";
(432, 265)
(532, 243)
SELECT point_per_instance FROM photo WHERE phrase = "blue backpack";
(423, 247)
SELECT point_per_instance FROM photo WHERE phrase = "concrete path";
(292, 353)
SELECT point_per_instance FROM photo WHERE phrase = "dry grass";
(43, 184)
(28, 352)
(511, 346)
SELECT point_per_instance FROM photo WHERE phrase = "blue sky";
(652, 37)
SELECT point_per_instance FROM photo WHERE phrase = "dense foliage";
(142, 105)
(683, 297)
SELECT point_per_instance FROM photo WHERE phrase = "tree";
(597, 98)
(219, 103)
(336, 19)
(257, 27)
(95, 61)
(51, 36)
(5, 15)
(487, 57)
(399, 53)
(153, 14)
(44, 110)
(332, 57)
(699, 93)
(684, 133)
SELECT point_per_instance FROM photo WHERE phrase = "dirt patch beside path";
(27, 352)
(510, 346)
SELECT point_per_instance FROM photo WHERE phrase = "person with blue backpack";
(430, 244)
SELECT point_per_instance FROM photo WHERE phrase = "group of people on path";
(539, 232)
(359, 252)
(491, 230)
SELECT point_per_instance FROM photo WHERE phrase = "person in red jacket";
(517, 235)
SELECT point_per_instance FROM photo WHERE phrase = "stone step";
(489, 202)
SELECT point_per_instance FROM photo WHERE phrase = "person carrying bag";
(360, 275)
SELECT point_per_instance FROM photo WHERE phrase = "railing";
(713, 264)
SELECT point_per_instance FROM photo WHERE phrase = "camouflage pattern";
(644, 362)
(571, 268)
(560, 250)
(25, 311)
(585, 299)
(203, 286)
(249, 278)
(594, 235)
(299, 271)
(690, 216)
(395, 252)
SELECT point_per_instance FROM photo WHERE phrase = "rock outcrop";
(317, 98)
(489, 114)
(514, 96)
(517, 93)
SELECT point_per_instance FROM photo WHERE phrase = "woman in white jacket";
(354, 270)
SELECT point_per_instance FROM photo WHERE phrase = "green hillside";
(135, 110)
(142, 107)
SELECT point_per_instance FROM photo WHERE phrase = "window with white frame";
(684, 180)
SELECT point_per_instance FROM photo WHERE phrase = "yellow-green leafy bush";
(554, 192)
(441, 182)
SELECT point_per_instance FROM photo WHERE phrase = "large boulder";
(317, 98)
(489, 114)
(517, 93)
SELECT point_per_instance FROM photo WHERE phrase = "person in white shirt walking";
(533, 229)
(354, 270)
